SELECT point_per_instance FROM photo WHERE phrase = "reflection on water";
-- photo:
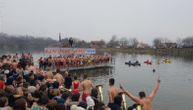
(95, 74)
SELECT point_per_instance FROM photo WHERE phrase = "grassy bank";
(172, 51)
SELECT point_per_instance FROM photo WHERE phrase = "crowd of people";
(73, 61)
(23, 86)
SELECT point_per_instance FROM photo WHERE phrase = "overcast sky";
(98, 19)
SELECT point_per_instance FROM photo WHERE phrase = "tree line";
(11, 43)
(30, 44)
(157, 43)
(179, 43)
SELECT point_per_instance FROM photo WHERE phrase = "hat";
(6, 71)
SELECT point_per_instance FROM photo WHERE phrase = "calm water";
(176, 90)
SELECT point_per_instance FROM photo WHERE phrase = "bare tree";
(102, 42)
(179, 43)
(157, 42)
(24, 43)
(187, 42)
(113, 42)
(133, 42)
(123, 42)
(166, 40)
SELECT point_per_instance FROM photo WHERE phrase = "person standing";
(113, 91)
(75, 85)
(2, 82)
(143, 100)
(86, 86)
(68, 82)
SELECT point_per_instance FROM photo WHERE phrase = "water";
(176, 88)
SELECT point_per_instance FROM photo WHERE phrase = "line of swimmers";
(73, 61)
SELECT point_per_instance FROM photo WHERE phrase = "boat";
(135, 63)
(148, 62)
(167, 61)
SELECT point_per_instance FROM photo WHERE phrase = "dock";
(85, 67)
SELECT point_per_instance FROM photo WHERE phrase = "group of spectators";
(23, 86)
(73, 61)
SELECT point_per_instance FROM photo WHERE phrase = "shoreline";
(169, 51)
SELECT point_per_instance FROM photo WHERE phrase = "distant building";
(170, 45)
(143, 45)
(97, 44)
(167, 45)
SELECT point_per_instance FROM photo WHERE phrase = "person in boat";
(75, 85)
(137, 63)
(144, 101)
(86, 86)
(113, 91)
(129, 62)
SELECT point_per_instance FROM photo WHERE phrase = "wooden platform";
(86, 67)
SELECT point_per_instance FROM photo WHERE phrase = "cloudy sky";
(98, 19)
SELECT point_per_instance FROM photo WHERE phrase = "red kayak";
(148, 62)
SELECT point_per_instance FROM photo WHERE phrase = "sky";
(98, 19)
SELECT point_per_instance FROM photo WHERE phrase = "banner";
(67, 51)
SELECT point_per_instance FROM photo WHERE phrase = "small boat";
(135, 63)
(148, 62)
(167, 61)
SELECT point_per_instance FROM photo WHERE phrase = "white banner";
(67, 51)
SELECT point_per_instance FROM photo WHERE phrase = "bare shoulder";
(90, 81)
(148, 98)
(117, 88)
(82, 83)
(109, 89)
